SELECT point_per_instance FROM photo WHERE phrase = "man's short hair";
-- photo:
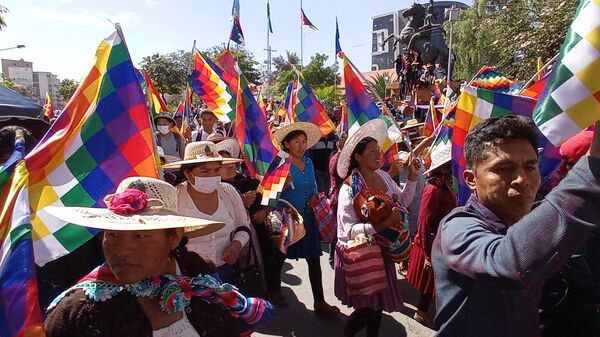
(494, 131)
(207, 111)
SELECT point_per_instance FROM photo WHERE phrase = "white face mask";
(206, 184)
(164, 129)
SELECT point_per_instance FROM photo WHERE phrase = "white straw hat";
(127, 210)
(201, 152)
(375, 128)
(231, 146)
(313, 133)
(440, 155)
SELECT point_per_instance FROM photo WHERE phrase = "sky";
(61, 36)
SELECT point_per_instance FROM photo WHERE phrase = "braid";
(181, 249)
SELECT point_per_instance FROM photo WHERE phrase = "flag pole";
(268, 45)
(301, 38)
(534, 77)
(157, 164)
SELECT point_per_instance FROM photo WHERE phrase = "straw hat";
(313, 133)
(440, 155)
(126, 210)
(375, 128)
(164, 115)
(229, 145)
(412, 123)
(201, 152)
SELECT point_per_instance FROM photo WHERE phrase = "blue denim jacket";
(488, 276)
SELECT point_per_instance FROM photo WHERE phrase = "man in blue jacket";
(491, 256)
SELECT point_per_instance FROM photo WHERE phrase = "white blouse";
(211, 246)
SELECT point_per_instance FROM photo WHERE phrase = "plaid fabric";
(571, 100)
(325, 219)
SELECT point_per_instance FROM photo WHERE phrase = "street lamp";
(451, 15)
(19, 46)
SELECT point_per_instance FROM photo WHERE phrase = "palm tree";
(3, 10)
(377, 85)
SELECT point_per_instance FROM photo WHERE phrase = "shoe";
(277, 298)
(326, 310)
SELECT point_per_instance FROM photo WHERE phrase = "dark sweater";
(78, 316)
(488, 276)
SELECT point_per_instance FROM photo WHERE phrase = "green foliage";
(6, 81)
(316, 74)
(3, 10)
(168, 72)
(377, 84)
(510, 35)
(280, 64)
(329, 96)
(245, 60)
(67, 88)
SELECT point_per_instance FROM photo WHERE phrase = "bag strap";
(250, 243)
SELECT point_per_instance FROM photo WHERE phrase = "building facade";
(46, 82)
(37, 83)
(384, 25)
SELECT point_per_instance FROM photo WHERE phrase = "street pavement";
(299, 320)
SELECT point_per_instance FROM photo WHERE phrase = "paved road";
(298, 319)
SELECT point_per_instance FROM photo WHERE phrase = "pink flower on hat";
(130, 201)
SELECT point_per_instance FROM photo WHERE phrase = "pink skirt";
(390, 299)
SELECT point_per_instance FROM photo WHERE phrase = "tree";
(510, 35)
(6, 81)
(377, 85)
(67, 88)
(168, 72)
(245, 60)
(3, 10)
(329, 96)
(280, 64)
(316, 74)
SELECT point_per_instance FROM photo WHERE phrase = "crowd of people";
(512, 262)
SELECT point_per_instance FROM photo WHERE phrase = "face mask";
(164, 129)
(206, 184)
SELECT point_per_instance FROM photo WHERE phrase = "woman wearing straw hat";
(359, 164)
(150, 284)
(438, 199)
(203, 195)
(301, 192)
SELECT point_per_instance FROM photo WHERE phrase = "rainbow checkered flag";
(476, 105)
(305, 107)
(20, 313)
(214, 86)
(361, 109)
(571, 100)
(263, 160)
(101, 137)
(491, 79)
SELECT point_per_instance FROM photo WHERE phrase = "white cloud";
(151, 3)
(87, 18)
